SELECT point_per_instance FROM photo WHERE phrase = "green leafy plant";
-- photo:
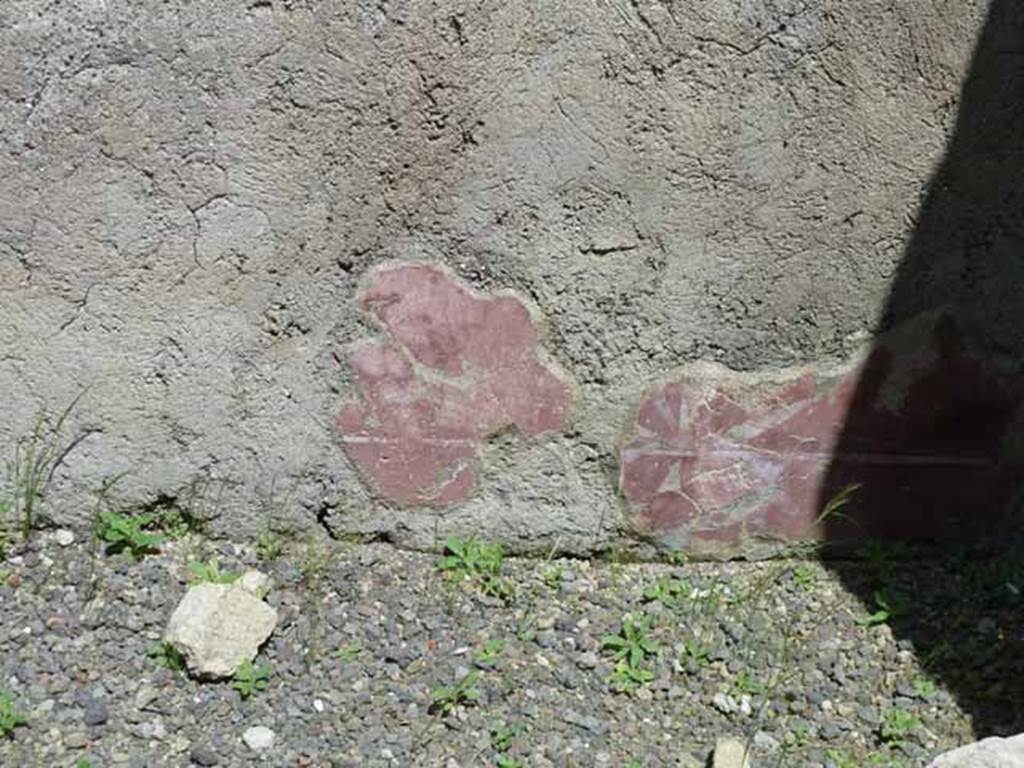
(745, 683)
(632, 643)
(625, 677)
(695, 651)
(166, 655)
(349, 652)
(502, 736)
(83, 762)
(630, 647)
(925, 688)
(897, 725)
(889, 605)
(180, 516)
(447, 697)
(553, 577)
(488, 655)
(479, 562)
(669, 591)
(799, 736)
(251, 678)
(10, 717)
(803, 576)
(172, 521)
(122, 532)
(211, 572)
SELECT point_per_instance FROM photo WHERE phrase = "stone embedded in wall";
(455, 368)
(720, 462)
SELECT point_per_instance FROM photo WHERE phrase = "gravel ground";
(780, 653)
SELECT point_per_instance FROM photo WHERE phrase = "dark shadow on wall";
(934, 434)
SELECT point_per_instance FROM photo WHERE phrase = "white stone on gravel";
(255, 582)
(988, 753)
(724, 703)
(64, 537)
(217, 626)
(259, 738)
(731, 753)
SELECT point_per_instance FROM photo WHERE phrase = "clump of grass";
(30, 470)
(269, 546)
(315, 565)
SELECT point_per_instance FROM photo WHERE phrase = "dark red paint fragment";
(456, 368)
(718, 461)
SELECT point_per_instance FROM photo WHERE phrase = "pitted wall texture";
(194, 195)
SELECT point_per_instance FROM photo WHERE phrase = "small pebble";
(203, 755)
(587, 660)
(259, 738)
(96, 712)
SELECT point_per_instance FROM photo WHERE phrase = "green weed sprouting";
(478, 562)
(630, 647)
(447, 697)
(167, 656)
(211, 573)
(10, 717)
(249, 679)
(129, 532)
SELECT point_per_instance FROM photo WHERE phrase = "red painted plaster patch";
(456, 368)
(718, 460)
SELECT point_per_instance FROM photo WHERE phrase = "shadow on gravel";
(935, 435)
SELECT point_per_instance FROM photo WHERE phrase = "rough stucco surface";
(192, 193)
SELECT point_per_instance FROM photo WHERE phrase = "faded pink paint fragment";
(718, 461)
(456, 368)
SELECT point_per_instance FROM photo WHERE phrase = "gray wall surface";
(191, 195)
